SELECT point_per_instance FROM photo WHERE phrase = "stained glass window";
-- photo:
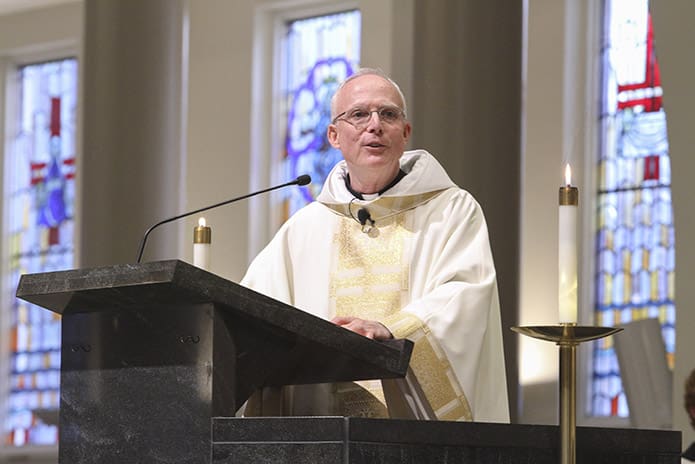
(319, 53)
(635, 237)
(39, 194)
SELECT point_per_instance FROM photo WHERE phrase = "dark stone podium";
(157, 357)
(152, 352)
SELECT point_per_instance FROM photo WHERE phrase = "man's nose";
(374, 122)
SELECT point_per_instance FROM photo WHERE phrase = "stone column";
(133, 75)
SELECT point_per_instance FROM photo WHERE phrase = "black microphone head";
(304, 179)
(363, 216)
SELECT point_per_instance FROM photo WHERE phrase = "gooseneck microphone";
(304, 179)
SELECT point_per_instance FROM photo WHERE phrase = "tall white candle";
(567, 247)
(202, 237)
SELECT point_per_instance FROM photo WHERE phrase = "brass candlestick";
(567, 336)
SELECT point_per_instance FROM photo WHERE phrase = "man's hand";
(370, 329)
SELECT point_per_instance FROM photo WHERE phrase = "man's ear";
(332, 135)
(407, 129)
(691, 411)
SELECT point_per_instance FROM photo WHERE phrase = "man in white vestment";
(392, 248)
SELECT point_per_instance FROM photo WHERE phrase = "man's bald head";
(367, 72)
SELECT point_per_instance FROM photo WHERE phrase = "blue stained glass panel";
(319, 53)
(40, 195)
(634, 237)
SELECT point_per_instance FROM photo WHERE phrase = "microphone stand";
(301, 180)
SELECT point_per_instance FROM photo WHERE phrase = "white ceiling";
(14, 6)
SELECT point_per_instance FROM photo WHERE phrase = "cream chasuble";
(425, 271)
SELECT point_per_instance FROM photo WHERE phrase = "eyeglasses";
(359, 117)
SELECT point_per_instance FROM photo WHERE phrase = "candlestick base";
(566, 333)
(567, 337)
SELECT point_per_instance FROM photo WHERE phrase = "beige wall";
(133, 82)
(541, 162)
(673, 39)
(41, 30)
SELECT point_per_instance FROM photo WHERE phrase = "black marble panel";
(279, 429)
(278, 453)
(137, 386)
(278, 440)
(124, 417)
(370, 441)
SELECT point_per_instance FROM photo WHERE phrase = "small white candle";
(202, 235)
(567, 247)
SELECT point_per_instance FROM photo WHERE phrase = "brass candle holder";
(567, 336)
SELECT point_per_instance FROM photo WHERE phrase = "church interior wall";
(673, 36)
(517, 179)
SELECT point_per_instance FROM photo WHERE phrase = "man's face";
(379, 144)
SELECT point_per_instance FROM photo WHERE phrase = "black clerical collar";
(356, 194)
